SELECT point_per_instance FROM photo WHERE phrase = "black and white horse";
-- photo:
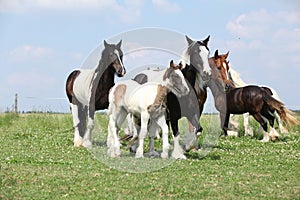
(195, 61)
(87, 91)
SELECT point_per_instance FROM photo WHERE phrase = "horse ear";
(105, 44)
(226, 55)
(180, 65)
(119, 44)
(172, 64)
(216, 54)
(189, 40)
(205, 41)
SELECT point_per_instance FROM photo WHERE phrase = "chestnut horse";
(255, 100)
(87, 91)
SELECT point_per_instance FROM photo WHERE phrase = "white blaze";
(204, 53)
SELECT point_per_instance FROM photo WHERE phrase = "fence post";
(16, 104)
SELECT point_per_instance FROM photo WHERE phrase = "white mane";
(236, 78)
(185, 57)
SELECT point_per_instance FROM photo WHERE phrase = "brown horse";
(258, 101)
(88, 90)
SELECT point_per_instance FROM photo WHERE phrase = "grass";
(38, 161)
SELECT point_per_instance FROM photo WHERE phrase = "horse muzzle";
(121, 72)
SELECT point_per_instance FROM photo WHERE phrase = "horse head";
(198, 54)
(113, 56)
(175, 80)
(220, 68)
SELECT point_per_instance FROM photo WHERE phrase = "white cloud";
(165, 6)
(29, 53)
(250, 25)
(126, 11)
(31, 5)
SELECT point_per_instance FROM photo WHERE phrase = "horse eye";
(219, 68)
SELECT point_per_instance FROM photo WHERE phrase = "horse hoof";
(164, 155)
(179, 157)
(139, 155)
(153, 154)
(87, 144)
(232, 133)
(77, 143)
(275, 138)
(265, 140)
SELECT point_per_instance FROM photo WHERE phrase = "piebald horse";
(87, 91)
(195, 59)
(255, 100)
(128, 96)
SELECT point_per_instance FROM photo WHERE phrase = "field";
(38, 161)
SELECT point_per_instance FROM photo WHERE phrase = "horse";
(128, 96)
(87, 91)
(195, 59)
(255, 100)
(238, 82)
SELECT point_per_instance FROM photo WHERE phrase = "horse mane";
(236, 78)
(185, 56)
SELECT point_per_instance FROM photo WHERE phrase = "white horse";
(130, 97)
(238, 82)
(87, 91)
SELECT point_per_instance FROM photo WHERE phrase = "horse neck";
(215, 89)
(189, 72)
(107, 79)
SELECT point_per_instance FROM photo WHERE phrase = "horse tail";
(289, 118)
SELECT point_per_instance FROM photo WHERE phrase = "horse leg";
(223, 124)
(113, 143)
(190, 139)
(78, 119)
(281, 128)
(161, 121)
(90, 126)
(133, 143)
(248, 129)
(129, 129)
(143, 132)
(226, 123)
(273, 133)
(264, 125)
(153, 128)
(116, 119)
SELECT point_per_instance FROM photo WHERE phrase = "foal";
(130, 97)
(253, 99)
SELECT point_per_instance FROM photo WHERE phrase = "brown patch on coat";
(69, 84)
(159, 101)
(119, 94)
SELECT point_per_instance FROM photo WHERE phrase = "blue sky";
(42, 41)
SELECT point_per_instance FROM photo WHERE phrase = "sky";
(42, 41)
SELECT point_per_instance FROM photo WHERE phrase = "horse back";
(132, 96)
(245, 99)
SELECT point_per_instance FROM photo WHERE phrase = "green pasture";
(38, 161)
